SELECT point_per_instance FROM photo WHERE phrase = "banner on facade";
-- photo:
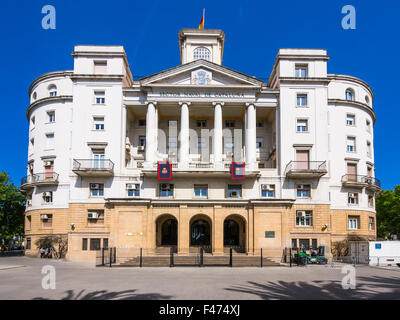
(164, 170)
(237, 170)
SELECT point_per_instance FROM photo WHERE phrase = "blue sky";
(255, 30)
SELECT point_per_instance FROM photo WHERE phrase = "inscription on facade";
(200, 94)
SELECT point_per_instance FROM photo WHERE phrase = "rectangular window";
(95, 217)
(97, 189)
(201, 190)
(98, 123)
(28, 243)
(352, 198)
(98, 158)
(100, 67)
(371, 224)
(50, 141)
(166, 190)
(229, 142)
(47, 220)
(350, 120)
(95, 244)
(351, 144)
(142, 122)
(353, 222)
(100, 97)
(172, 142)
(84, 244)
(314, 244)
(259, 142)
(301, 71)
(302, 125)
(201, 143)
(51, 116)
(294, 243)
(304, 244)
(268, 190)
(172, 123)
(201, 123)
(301, 100)
(32, 123)
(303, 191)
(260, 123)
(142, 141)
(133, 189)
(370, 201)
(368, 125)
(303, 218)
(369, 149)
(105, 243)
(229, 123)
(234, 190)
(29, 222)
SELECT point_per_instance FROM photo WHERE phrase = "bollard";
(230, 258)
(171, 258)
(201, 257)
(261, 264)
(141, 258)
(290, 257)
(110, 257)
(102, 256)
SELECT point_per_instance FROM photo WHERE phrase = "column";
(151, 133)
(184, 134)
(217, 135)
(251, 136)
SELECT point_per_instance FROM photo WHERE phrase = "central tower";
(204, 44)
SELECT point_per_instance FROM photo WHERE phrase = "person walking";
(41, 250)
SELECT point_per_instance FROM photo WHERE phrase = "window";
(350, 95)
(95, 244)
(100, 67)
(353, 222)
(98, 158)
(351, 144)
(97, 189)
(302, 125)
(301, 71)
(133, 189)
(370, 201)
(314, 244)
(303, 191)
(84, 244)
(369, 150)
(47, 220)
(294, 243)
(166, 190)
(201, 190)
(229, 123)
(268, 190)
(172, 123)
(28, 243)
(303, 218)
(95, 217)
(234, 191)
(98, 123)
(29, 222)
(100, 97)
(142, 122)
(201, 123)
(172, 142)
(50, 141)
(52, 91)
(260, 123)
(105, 243)
(34, 96)
(304, 244)
(229, 142)
(33, 123)
(142, 141)
(367, 100)
(368, 125)
(47, 197)
(31, 145)
(350, 120)
(371, 224)
(301, 100)
(201, 53)
(259, 142)
(352, 198)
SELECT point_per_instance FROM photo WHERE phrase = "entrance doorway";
(235, 233)
(166, 231)
(200, 233)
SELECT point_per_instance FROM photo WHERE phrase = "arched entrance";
(200, 232)
(235, 233)
(167, 231)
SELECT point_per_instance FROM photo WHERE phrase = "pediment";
(200, 73)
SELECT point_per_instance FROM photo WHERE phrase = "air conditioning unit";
(131, 186)
(47, 194)
(93, 215)
(301, 213)
(166, 186)
(29, 203)
(267, 187)
(44, 216)
(94, 186)
(234, 194)
(48, 163)
(300, 186)
(140, 148)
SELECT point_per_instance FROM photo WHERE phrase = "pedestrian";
(41, 250)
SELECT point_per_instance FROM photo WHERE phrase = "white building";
(96, 135)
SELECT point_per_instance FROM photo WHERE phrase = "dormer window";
(201, 53)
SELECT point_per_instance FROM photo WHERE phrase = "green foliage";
(342, 248)
(12, 208)
(388, 213)
(58, 243)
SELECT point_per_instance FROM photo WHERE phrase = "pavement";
(22, 278)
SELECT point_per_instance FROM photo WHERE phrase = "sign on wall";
(164, 170)
(237, 170)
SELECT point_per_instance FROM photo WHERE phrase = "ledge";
(361, 105)
(44, 100)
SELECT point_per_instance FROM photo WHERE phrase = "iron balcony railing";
(304, 166)
(359, 179)
(93, 164)
(40, 177)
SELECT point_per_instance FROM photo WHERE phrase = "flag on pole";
(201, 25)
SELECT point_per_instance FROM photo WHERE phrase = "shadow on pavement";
(105, 295)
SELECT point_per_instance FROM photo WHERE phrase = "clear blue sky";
(255, 30)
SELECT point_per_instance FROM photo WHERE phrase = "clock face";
(201, 77)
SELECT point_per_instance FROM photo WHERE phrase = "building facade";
(96, 137)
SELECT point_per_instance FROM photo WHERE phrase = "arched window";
(201, 53)
(367, 100)
(52, 90)
(350, 95)
(34, 96)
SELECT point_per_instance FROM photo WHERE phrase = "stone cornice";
(361, 105)
(97, 77)
(303, 80)
(44, 100)
(49, 75)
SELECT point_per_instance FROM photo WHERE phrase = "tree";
(58, 243)
(12, 208)
(388, 213)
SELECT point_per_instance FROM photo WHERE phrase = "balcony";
(93, 167)
(305, 169)
(357, 181)
(39, 179)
